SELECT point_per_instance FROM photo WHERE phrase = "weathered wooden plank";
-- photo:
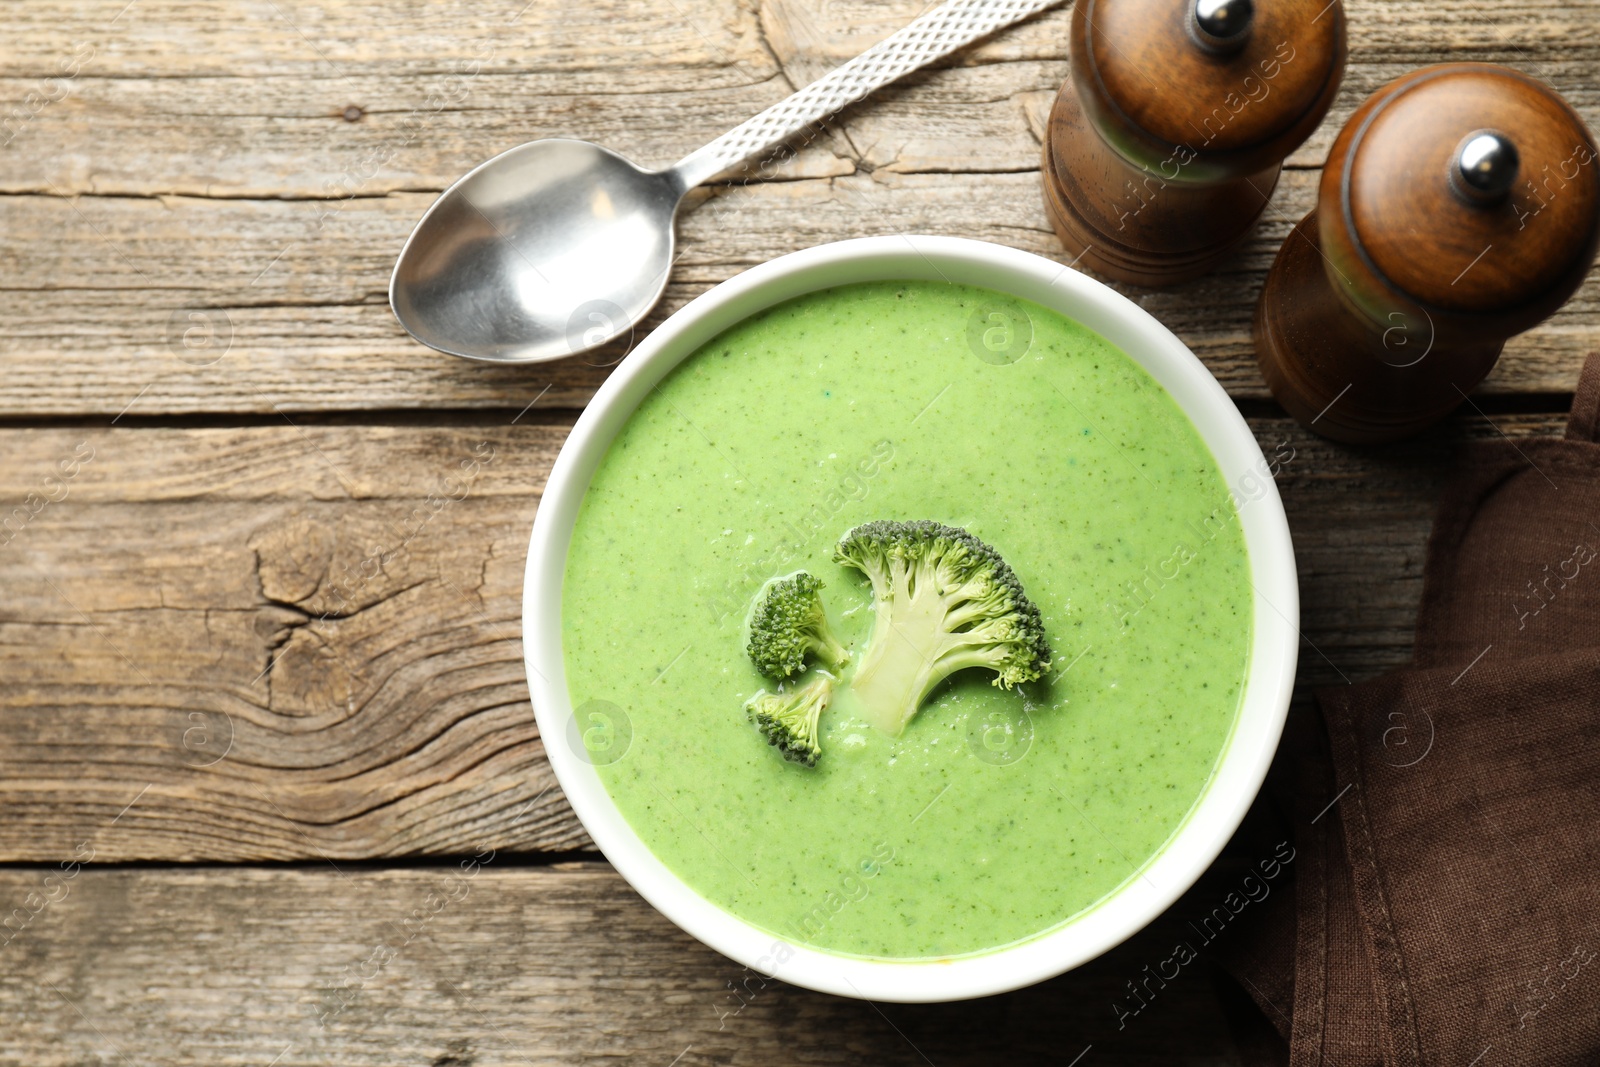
(196, 305)
(317, 41)
(440, 86)
(275, 635)
(276, 220)
(302, 641)
(491, 966)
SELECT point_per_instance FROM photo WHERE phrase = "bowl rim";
(1240, 769)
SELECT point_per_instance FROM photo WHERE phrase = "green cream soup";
(997, 815)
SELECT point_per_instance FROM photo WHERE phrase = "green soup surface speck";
(997, 815)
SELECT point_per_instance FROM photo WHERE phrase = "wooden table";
(261, 688)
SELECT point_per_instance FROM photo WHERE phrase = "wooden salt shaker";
(1460, 205)
(1166, 142)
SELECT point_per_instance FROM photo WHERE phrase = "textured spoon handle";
(930, 37)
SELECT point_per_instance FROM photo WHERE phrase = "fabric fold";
(1447, 820)
(1473, 868)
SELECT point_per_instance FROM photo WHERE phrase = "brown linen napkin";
(1474, 869)
(1333, 1019)
(1447, 882)
(1302, 959)
(1516, 546)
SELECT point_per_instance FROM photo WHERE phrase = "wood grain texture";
(1150, 88)
(196, 165)
(301, 641)
(1117, 226)
(273, 640)
(1390, 302)
(525, 966)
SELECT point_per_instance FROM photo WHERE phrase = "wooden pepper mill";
(1165, 144)
(1460, 205)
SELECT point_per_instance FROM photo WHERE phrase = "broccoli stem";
(888, 690)
(828, 649)
(897, 669)
(913, 646)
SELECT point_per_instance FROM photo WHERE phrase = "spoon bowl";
(558, 246)
(550, 249)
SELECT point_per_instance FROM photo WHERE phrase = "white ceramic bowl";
(1266, 697)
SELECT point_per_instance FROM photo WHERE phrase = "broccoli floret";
(943, 601)
(787, 622)
(789, 720)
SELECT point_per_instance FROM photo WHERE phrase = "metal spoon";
(558, 246)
